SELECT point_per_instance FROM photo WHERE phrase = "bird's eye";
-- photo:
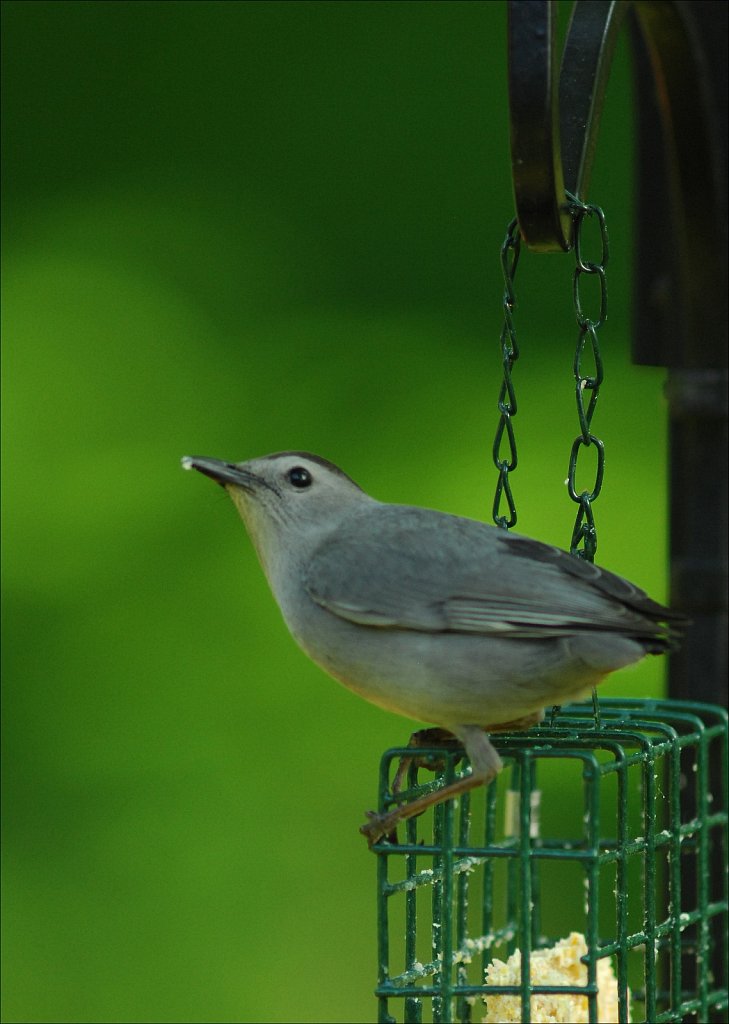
(299, 477)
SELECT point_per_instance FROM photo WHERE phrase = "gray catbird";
(431, 615)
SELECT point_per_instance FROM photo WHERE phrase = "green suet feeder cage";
(585, 884)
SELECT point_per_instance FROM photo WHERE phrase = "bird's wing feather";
(424, 570)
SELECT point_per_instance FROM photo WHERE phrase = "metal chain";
(584, 534)
(507, 396)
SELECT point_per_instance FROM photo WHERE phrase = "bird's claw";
(377, 826)
(385, 824)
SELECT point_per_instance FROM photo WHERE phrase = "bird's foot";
(434, 737)
(380, 825)
(385, 824)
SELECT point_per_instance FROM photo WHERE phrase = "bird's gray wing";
(400, 567)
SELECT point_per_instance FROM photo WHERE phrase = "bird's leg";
(485, 766)
(385, 824)
(422, 738)
(434, 737)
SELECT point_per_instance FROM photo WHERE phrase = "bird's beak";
(223, 473)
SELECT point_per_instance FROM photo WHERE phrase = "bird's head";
(288, 500)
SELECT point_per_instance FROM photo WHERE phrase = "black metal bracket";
(555, 115)
(680, 278)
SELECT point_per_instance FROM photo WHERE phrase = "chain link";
(507, 395)
(584, 534)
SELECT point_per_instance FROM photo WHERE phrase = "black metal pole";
(680, 308)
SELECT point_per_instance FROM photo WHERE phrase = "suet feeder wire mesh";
(625, 848)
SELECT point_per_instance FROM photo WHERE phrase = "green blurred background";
(230, 229)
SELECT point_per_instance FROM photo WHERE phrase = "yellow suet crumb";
(558, 965)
